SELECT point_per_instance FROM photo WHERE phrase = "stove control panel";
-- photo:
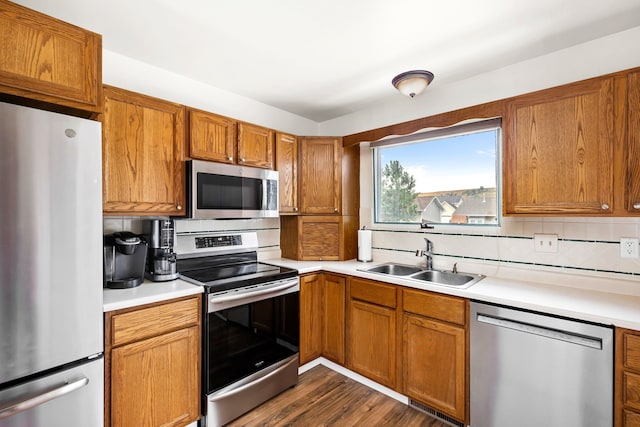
(218, 241)
(200, 244)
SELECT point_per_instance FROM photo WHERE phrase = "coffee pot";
(161, 261)
(124, 260)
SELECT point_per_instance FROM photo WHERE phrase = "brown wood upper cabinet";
(142, 155)
(632, 201)
(287, 167)
(255, 146)
(559, 150)
(224, 140)
(50, 61)
(320, 175)
(212, 137)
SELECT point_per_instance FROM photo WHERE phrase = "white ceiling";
(324, 59)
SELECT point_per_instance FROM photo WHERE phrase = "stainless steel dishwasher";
(532, 370)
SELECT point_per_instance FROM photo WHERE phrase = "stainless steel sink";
(443, 277)
(394, 269)
(438, 277)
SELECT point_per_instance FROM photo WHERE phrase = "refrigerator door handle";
(32, 400)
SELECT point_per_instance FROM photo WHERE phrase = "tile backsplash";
(586, 246)
(268, 229)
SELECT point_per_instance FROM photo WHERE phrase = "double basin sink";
(437, 277)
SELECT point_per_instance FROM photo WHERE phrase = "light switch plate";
(545, 242)
(629, 247)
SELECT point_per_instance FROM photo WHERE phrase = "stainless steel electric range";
(250, 322)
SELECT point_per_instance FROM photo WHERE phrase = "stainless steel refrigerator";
(51, 332)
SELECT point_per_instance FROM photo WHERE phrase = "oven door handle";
(252, 293)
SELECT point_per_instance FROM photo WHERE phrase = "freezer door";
(51, 240)
(71, 398)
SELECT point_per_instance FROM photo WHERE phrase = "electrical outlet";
(629, 247)
(546, 242)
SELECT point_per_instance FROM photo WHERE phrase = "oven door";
(249, 330)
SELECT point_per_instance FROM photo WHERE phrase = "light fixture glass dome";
(412, 83)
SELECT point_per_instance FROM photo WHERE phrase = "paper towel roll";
(364, 245)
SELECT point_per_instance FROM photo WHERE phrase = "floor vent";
(439, 415)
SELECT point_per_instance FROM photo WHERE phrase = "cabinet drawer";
(373, 292)
(442, 307)
(631, 390)
(152, 321)
(631, 351)
(631, 419)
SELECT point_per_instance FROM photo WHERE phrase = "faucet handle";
(455, 268)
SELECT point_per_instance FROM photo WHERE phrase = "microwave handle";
(264, 194)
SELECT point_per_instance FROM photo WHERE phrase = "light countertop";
(577, 297)
(148, 292)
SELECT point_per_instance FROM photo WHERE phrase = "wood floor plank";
(326, 398)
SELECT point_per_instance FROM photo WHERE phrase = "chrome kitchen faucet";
(427, 252)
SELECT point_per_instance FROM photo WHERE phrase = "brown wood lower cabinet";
(415, 342)
(152, 371)
(434, 364)
(627, 378)
(310, 317)
(322, 317)
(434, 351)
(371, 330)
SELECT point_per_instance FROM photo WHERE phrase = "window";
(443, 176)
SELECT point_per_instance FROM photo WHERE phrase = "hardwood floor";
(325, 398)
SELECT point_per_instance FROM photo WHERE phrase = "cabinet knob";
(605, 207)
(335, 209)
(230, 158)
(242, 159)
(636, 206)
(295, 209)
(179, 207)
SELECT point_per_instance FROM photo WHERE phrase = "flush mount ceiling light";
(412, 83)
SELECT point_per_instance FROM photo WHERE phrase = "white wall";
(602, 56)
(131, 74)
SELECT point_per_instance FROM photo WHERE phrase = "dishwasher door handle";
(542, 331)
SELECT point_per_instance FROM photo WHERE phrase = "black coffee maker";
(161, 262)
(125, 254)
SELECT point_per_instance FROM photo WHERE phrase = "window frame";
(466, 127)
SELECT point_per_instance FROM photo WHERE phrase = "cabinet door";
(320, 175)
(558, 150)
(49, 60)
(333, 299)
(142, 155)
(211, 137)
(156, 382)
(434, 364)
(371, 347)
(320, 238)
(255, 146)
(633, 148)
(310, 317)
(287, 167)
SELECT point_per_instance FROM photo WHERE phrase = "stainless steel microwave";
(218, 190)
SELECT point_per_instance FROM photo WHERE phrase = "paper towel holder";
(364, 245)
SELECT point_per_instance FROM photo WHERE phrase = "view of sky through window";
(451, 179)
